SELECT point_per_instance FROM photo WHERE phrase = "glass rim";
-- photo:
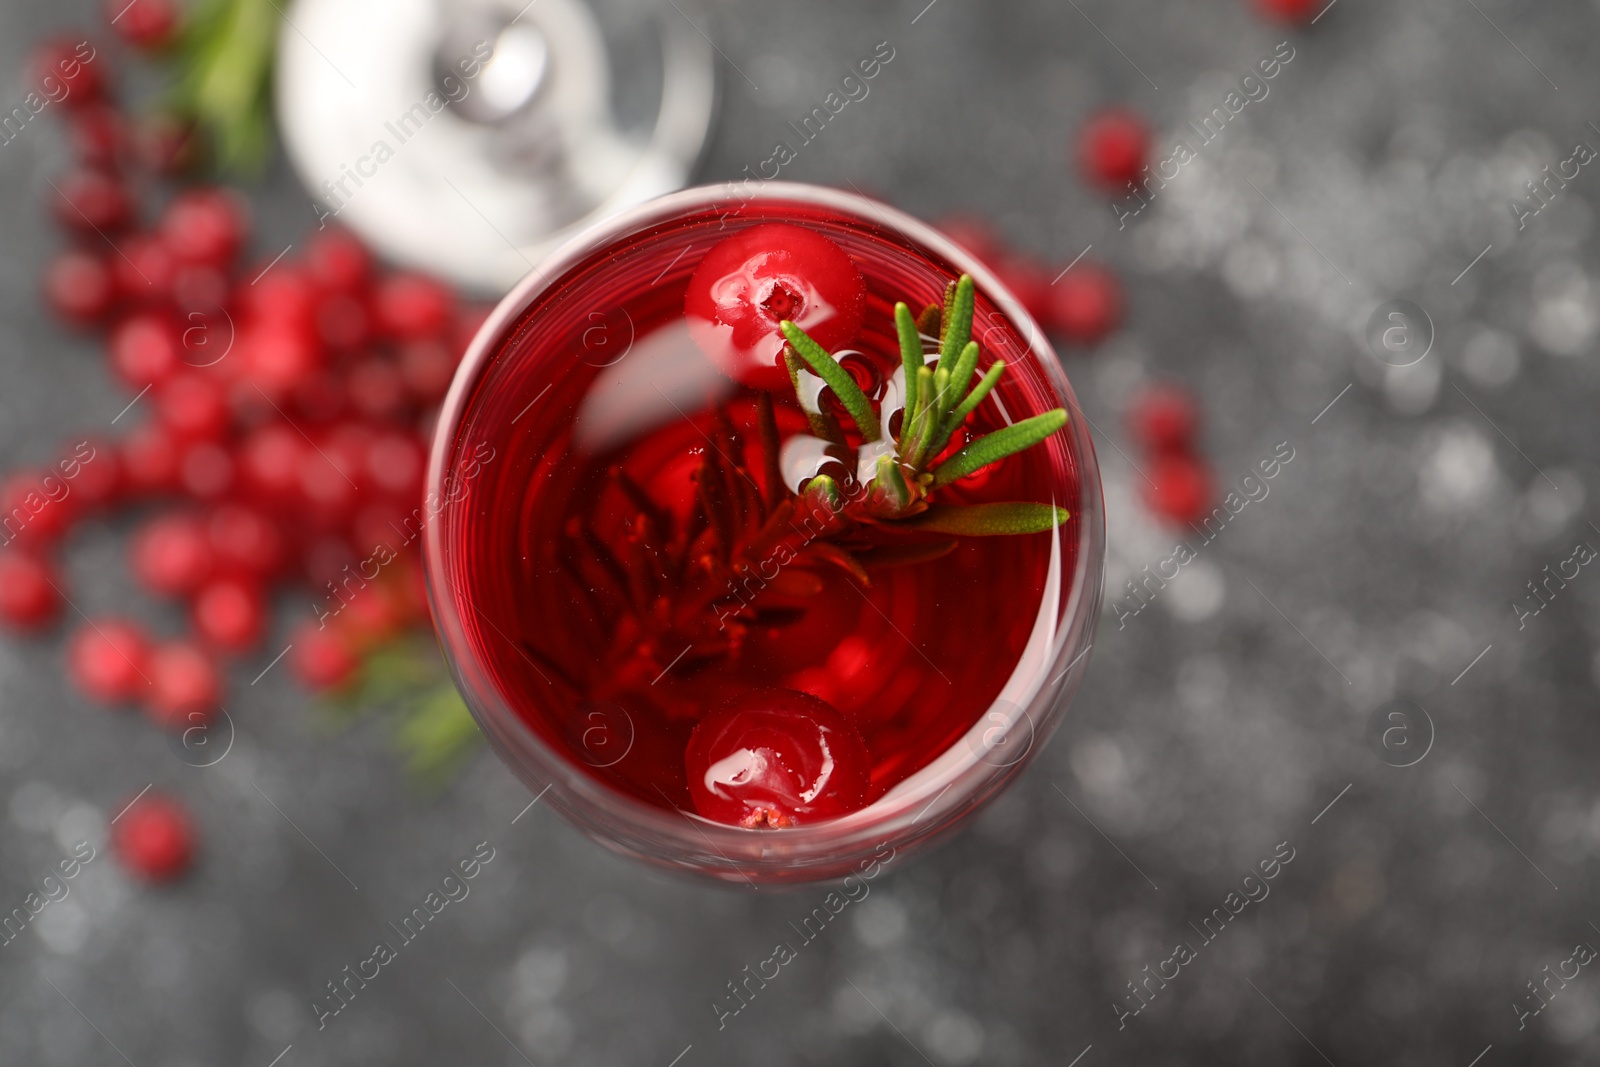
(669, 836)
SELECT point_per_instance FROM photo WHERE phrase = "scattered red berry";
(337, 261)
(320, 658)
(92, 201)
(76, 64)
(775, 757)
(192, 406)
(99, 135)
(171, 554)
(106, 659)
(28, 600)
(1086, 304)
(1180, 488)
(154, 838)
(204, 226)
(1164, 418)
(144, 350)
(1113, 147)
(413, 306)
(184, 684)
(229, 614)
(147, 24)
(80, 287)
(748, 283)
(1293, 12)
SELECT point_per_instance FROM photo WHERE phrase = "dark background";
(1218, 723)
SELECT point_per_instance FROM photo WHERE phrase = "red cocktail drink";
(708, 560)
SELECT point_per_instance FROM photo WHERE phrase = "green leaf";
(974, 398)
(905, 555)
(998, 445)
(961, 374)
(840, 558)
(988, 520)
(891, 484)
(958, 322)
(915, 425)
(928, 323)
(844, 387)
(823, 424)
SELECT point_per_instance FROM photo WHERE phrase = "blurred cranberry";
(1180, 488)
(321, 396)
(99, 135)
(145, 269)
(381, 528)
(326, 482)
(75, 64)
(106, 659)
(395, 464)
(343, 322)
(1030, 284)
(28, 600)
(94, 470)
(376, 388)
(154, 838)
(469, 320)
(427, 368)
(1164, 418)
(337, 261)
(184, 684)
(411, 306)
(1293, 12)
(167, 143)
(1087, 304)
(973, 234)
(206, 470)
(244, 541)
(319, 657)
(283, 297)
(34, 506)
(192, 406)
(204, 225)
(278, 359)
(229, 614)
(1112, 148)
(79, 287)
(171, 555)
(144, 349)
(149, 460)
(199, 286)
(92, 201)
(145, 24)
(270, 462)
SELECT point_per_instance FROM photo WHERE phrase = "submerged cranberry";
(752, 281)
(773, 758)
(154, 838)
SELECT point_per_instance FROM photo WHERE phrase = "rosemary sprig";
(938, 398)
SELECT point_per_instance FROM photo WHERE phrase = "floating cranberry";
(320, 658)
(338, 261)
(185, 685)
(1293, 12)
(413, 306)
(106, 659)
(204, 226)
(28, 599)
(1113, 147)
(1087, 304)
(1180, 488)
(80, 287)
(229, 614)
(146, 24)
(192, 406)
(775, 757)
(92, 201)
(749, 283)
(144, 349)
(154, 838)
(171, 554)
(72, 63)
(1164, 418)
